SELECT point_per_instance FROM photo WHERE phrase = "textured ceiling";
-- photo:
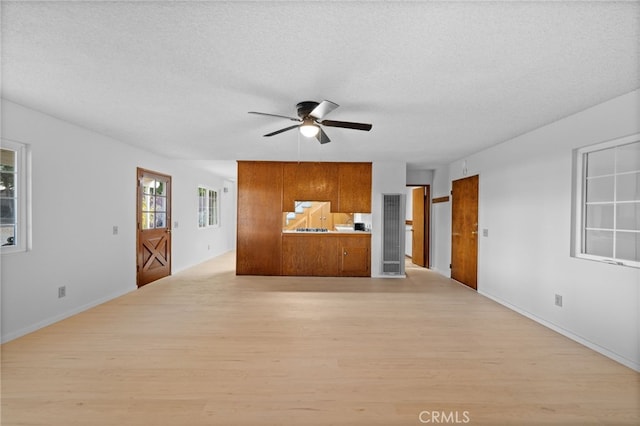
(438, 80)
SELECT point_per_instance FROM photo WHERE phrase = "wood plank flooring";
(207, 347)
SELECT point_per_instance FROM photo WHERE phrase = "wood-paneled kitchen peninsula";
(268, 190)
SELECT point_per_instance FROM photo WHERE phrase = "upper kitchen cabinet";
(309, 181)
(354, 183)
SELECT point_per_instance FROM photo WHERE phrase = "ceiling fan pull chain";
(298, 147)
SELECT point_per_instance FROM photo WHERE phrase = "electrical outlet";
(115, 230)
(558, 300)
(485, 232)
(62, 291)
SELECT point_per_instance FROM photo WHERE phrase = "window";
(154, 205)
(13, 197)
(208, 207)
(608, 200)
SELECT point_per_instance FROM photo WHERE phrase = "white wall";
(388, 178)
(408, 236)
(193, 245)
(419, 177)
(441, 223)
(525, 197)
(83, 184)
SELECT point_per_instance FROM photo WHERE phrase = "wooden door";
(420, 226)
(153, 226)
(464, 231)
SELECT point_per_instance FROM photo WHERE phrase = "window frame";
(22, 195)
(209, 191)
(580, 210)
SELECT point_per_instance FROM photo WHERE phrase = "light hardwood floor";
(207, 347)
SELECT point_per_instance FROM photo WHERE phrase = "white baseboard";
(446, 273)
(388, 276)
(601, 350)
(41, 324)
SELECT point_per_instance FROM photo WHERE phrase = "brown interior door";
(153, 226)
(420, 226)
(464, 231)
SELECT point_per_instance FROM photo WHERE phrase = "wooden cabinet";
(309, 254)
(320, 216)
(354, 256)
(326, 254)
(266, 189)
(346, 185)
(354, 188)
(308, 181)
(259, 228)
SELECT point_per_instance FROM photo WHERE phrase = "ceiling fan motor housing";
(305, 108)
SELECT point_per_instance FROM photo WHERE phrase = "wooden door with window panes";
(153, 226)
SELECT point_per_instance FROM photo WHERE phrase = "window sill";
(614, 262)
(13, 250)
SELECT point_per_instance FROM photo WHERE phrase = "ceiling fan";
(310, 116)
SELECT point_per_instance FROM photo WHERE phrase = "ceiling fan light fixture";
(311, 116)
(309, 129)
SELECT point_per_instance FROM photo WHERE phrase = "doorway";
(420, 222)
(153, 236)
(464, 231)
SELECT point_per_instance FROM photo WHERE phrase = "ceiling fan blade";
(274, 115)
(282, 130)
(322, 137)
(323, 108)
(346, 125)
